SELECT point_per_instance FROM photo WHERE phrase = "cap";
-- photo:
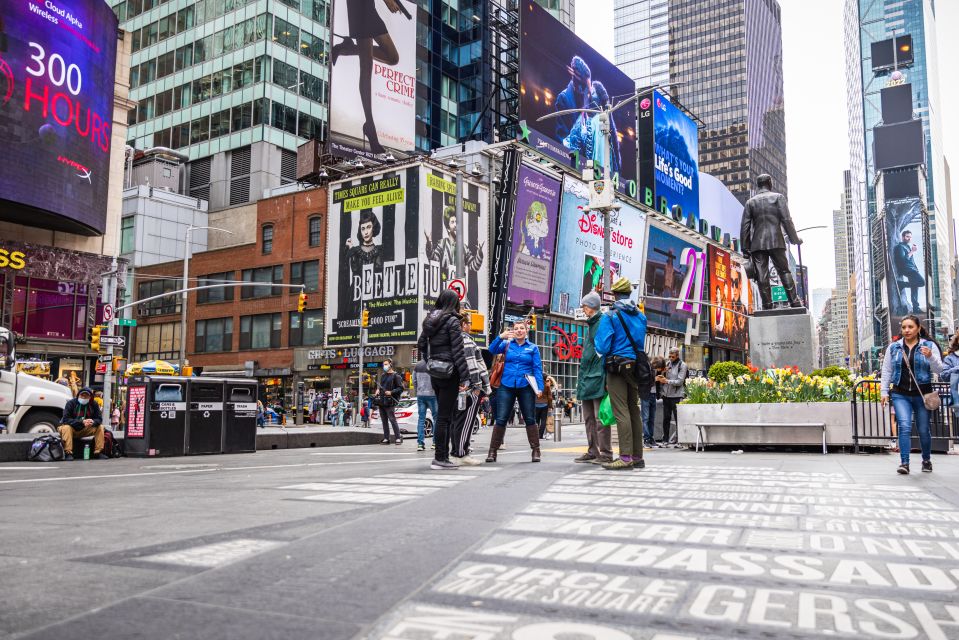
(623, 285)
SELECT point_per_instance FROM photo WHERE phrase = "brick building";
(249, 329)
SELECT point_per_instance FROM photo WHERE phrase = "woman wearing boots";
(522, 361)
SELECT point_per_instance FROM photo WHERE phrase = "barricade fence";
(873, 424)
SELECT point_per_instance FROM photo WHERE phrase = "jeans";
(954, 386)
(422, 404)
(649, 416)
(506, 397)
(910, 410)
(389, 419)
(542, 411)
(446, 392)
(669, 412)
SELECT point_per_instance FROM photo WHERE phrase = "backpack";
(46, 448)
(112, 447)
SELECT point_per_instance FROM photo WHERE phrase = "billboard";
(392, 239)
(669, 157)
(731, 297)
(373, 77)
(675, 279)
(534, 237)
(558, 71)
(906, 273)
(57, 65)
(578, 266)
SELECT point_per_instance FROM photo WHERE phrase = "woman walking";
(906, 377)
(521, 364)
(441, 346)
(544, 405)
(950, 372)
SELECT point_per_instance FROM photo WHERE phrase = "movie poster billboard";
(906, 273)
(675, 279)
(578, 268)
(669, 157)
(731, 299)
(373, 77)
(438, 236)
(558, 71)
(534, 237)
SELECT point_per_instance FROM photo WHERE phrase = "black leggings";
(446, 392)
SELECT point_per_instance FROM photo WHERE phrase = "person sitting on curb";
(82, 418)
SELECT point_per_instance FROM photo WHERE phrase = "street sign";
(127, 322)
(101, 367)
(608, 297)
(459, 286)
(113, 341)
(105, 358)
(107, 312)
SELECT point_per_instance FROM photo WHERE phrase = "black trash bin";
(204, 428)
(155, 416)
(239, 427)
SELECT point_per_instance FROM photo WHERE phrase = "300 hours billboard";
(57, 63)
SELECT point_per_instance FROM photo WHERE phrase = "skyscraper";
(562, 10)
(868, 22)
(726, 61)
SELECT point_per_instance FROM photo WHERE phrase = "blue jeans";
(422, 404)
(910, 410)
(649, 416)
(954, 386)
(507, 396)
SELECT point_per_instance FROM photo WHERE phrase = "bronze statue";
(765, 217)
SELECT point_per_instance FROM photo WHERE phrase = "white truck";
(28, 404)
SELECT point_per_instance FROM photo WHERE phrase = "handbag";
(439, 369)
(930, 400)
(496, 375)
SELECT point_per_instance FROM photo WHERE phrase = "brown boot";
(532, 434)
(499, 433)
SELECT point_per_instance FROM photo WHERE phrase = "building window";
(270, 275)
(157, 341)
(267, 239)
(315, 227)
(220, 294)
(160, 306)
(260, 331)
(306, 329)
(307, 274)
(214, 336)
(128, 234)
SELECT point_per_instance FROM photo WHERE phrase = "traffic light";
(95, 337)
(366, 318)
(301, 305)
(532, 322)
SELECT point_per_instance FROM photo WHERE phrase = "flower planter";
(836, 415)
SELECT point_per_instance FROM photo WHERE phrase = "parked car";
(407, 417)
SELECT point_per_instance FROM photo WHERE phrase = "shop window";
(260, 331)
(214, 336)
(50, 309)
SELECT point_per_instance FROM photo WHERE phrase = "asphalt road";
(367, 542)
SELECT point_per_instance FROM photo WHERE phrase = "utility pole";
(359, 376)
(460, 245)
(110, 294)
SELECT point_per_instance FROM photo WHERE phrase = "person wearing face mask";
(82, 418)
(388, 393)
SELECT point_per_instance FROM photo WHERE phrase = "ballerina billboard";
(373, 77)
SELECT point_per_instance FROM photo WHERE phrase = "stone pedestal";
(782, 340)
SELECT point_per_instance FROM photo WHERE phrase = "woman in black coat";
(442, 341)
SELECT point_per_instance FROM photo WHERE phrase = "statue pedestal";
(782, 338)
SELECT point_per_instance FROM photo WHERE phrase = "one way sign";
(113, 341)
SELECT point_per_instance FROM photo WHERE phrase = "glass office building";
(641, 34)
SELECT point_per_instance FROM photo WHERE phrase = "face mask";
(83, 401)
(386, 367)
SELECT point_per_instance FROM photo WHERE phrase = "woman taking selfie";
(522, 362)
(907, 372)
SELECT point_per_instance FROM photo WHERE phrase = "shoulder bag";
(437, 368)
(930, 400)
(496, 375)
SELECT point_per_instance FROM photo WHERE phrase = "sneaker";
(601, 460)
(469, 461)
(456, 462)
(618, 465)
(676, 445)
(585, 458)
(639, 463)
(385, 441)
(648, 446)
(421, 447)
(442, 465)
(68, 457)
(399, 441)
(102, 456)
(903, 470)
(927, 466)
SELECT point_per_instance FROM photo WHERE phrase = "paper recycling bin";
(239, 427)
(156, 416)
(204, 429)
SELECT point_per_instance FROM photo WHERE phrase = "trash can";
(155, 416)
(239, 426)
(204, 427)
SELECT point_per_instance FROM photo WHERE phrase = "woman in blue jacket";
(950, 372)
(907, 372)
(522, 360)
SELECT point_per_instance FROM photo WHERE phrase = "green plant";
(833, 371)
(721, 371)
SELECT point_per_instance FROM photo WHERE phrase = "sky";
(815, 85)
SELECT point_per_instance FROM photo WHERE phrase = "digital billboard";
(906, 274)
(534, 237)
(669, 157)
(675, 279)
(578, 267)
(373, 77)
(57, 65)
(558, 71)
(731, 299)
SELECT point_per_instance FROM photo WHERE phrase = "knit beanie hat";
(591, 300)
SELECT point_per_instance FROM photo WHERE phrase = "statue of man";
(765, 218)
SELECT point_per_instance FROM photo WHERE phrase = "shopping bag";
(606, 417)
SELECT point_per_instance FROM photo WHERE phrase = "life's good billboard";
(534, 237)
(57, 64)
(373, 77)
(578, 266)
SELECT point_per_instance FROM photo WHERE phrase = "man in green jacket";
(591, 387)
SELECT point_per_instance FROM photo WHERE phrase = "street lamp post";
(805, 284)
(186, 267)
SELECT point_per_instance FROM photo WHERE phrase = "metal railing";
(873, 423)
